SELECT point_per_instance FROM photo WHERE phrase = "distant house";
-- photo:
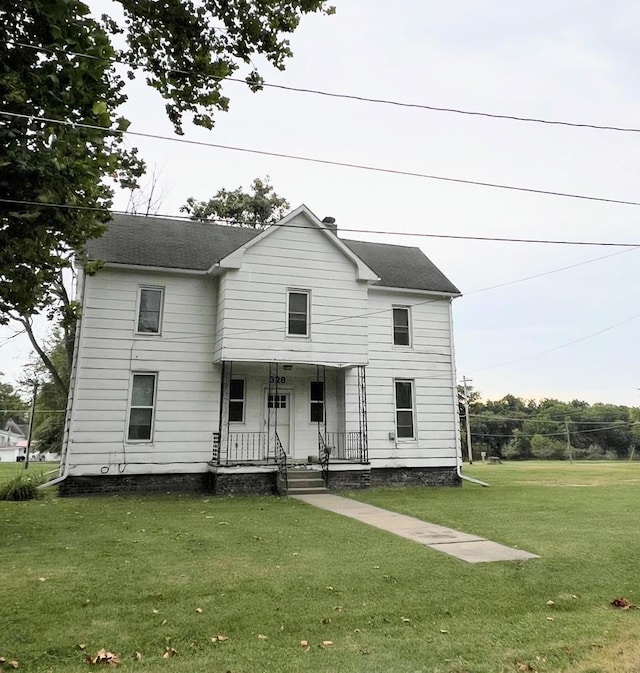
(13, 442)
(209, 356)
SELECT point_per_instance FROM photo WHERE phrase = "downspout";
(454, 390)
(74, 370)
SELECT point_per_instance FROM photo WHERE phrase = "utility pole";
(566, 427)
(33, 409)
(465, 380)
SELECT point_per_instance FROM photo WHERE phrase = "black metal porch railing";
(324, 456)
(247, 446)
(282, 481)
(215, 448)
(345, 446)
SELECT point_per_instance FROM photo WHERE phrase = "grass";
(129, 574)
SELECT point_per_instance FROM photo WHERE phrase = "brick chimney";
(330, 223)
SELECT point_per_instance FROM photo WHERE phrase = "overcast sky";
(572, 60)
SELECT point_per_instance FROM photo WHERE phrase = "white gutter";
(454, 388)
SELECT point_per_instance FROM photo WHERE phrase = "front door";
(278, 407)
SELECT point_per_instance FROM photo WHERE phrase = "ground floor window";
(405, 416)
(316, 410)
(142, 406)
(236, 401)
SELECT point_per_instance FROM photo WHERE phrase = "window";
(150, 310)
(401, 333)
(277, 402)
(143, 395)
(298, 313)
(404, 410)
(236, 401)
(317, 402)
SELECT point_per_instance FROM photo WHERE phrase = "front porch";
(274, 415)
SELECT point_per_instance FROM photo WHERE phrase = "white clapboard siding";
(252, 301)
(188, 383)
(428, 363)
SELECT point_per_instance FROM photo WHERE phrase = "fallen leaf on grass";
(338, 608)
(137, 656)
(104, 657)
(524, 667)
(13, 663)
(81, 646)
(622, 603)
(199, 611)
(261, 636)
(169, 652)
(221, 637)
(43, 579)
(155, 612)
(549, 619)
(327, 643)
(304, 643)
(405, 620)
(444, 631)
(548, 603)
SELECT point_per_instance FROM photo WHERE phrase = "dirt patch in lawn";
(618, 656)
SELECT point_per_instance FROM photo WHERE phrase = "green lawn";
(131, 574)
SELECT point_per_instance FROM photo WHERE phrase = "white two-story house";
(215, 357)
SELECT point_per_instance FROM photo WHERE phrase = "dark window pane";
(149, 322)
(405, 423)
(236, 411)
(150, 300)
(140, 424)
(143, 390)
(317, 412)
(237, 389)
(404, 398)
(297, 302)
(317, 391)
(401, 327)
(298, 325)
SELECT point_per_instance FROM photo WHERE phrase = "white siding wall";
(252, 301)
(428, 362)
(187, 386)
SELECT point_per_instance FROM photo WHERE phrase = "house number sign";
(277, 379)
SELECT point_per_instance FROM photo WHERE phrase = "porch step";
(305, 482)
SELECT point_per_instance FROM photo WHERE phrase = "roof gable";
(301, 217)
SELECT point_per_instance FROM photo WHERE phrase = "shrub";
(22, 487)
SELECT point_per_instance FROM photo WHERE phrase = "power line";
(564, 345)
(488, 239)
(327, 162)
(620, 426)
(343, 96)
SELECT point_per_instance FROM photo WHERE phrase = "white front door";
(280, 407)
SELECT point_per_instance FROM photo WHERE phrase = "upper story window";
(401, 329)
(298, 313)
(236, 401)
(150, 300)
(405, 410)
(142, 407)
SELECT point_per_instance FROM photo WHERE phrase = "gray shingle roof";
(179, 244)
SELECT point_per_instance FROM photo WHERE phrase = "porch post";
(272, 409)
(225, 393)
(362, 416)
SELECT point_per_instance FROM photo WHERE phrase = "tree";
(58, 76)
(257, 208)
(11, 405)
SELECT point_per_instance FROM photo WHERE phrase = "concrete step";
(298, 482)
(311, 490)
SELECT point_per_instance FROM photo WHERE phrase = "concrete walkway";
(470, 548)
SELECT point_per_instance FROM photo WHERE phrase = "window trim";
(289, 335)
(393, 326)
(157, 288)
(320, 402)
(236, 399)
(412, 409)
(130, 407)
